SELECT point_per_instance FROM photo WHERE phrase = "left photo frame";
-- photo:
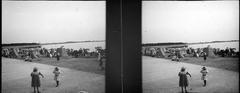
(53, 46)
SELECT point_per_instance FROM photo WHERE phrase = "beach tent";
(209, 51)
(160, 52)
(147, 51)
(62, 51)
(164, 50)
(15, 53)
(153, 52)
(183, 53)
(5, 52)
(33, 54)
(179, 53)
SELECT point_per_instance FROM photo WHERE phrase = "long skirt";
(35, 82)
(183, 83)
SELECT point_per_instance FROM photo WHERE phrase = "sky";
(52, 21)
(189, 21)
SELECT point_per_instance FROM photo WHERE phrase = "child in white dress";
(56, 76)
(204, 75)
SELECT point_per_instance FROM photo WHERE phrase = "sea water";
(218, 45)
(92, 45)
(77, 46)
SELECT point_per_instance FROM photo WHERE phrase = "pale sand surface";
(161, 76)
(16, 79)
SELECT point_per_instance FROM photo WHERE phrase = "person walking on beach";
(204, 75)
(183, 80)
(204, 56)
(101, 63)
(58, 56)
(56, 76)
(36, 79)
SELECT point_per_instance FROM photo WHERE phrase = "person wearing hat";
(36, 79)
(56, 76)
(204, 75)
(183, 80)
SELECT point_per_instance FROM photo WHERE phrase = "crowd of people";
(81, 52)
(227, 52)
(69, 52)
(176, 54)
(28, 54)
(43, 52)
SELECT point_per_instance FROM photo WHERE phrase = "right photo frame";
(190, 46)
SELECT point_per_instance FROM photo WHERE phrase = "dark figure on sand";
(101, 64)
(58, 56)
(183, 80)
(36, 79)
(204, 56)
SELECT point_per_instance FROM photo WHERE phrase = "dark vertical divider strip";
(113, 46)
(131, 36)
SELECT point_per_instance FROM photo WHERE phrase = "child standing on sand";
(56, 76)
(36, 79)
(204, 75)
(183, 80)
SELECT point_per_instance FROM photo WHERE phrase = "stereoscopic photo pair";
(120, 46)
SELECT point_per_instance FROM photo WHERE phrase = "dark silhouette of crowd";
(227, 52)
(51, 53)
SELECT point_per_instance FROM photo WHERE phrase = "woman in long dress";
(183, 80)
(36, 79)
